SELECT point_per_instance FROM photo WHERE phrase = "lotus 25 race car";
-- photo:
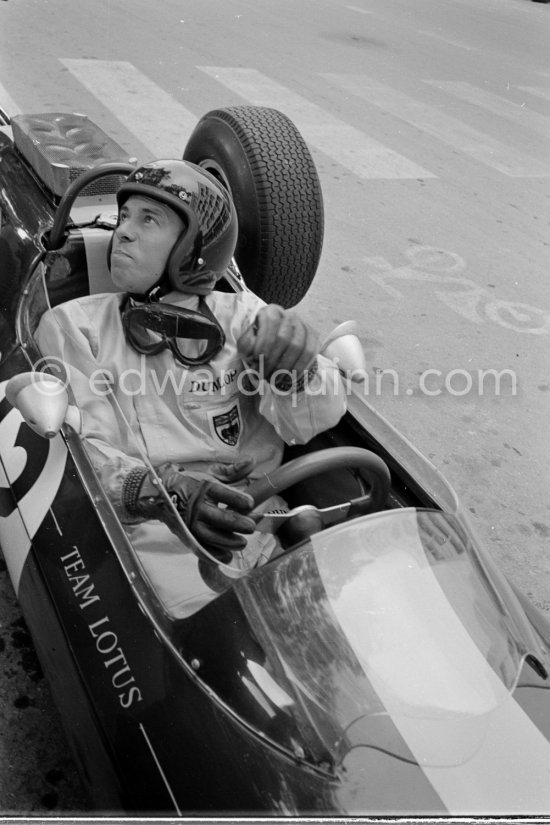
(384, 666)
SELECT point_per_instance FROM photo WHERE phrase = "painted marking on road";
(450, 130)
(494, 103)
(537, 91)
(350, 147)
(138, 103)
(446, 40)
(7, 102)
(476, 304)
(359, 10)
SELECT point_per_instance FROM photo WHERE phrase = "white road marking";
(495, 104)
(538, 91)
(446, 40)
(357, 9)
(155, 117)
(434, 266)
(350, 147)
(450, 130)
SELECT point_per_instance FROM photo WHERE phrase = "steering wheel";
(372, 467)
(74, 189)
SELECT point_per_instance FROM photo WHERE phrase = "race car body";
(384, 666)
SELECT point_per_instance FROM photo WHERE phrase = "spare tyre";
(260, 155)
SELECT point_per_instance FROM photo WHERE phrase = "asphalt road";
(430, 126)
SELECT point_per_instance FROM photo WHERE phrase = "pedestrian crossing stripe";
(446, 40)
(450, 130)
(537, 91)
(162, 124)
(494, 103)
(359, 10)
(350, 147)
(159, 122)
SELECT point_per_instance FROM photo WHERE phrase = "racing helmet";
(206, 245)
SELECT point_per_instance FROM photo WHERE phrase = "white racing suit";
(193, 417)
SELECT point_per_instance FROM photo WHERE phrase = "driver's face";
(142, 242)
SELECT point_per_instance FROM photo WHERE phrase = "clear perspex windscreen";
(386, 629)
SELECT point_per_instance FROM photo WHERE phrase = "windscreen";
(387, 632)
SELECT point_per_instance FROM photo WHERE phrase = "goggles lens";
(195, 337)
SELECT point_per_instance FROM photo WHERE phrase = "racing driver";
(202, 385)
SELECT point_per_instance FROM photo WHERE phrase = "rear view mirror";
(43, 402)
(343, 347)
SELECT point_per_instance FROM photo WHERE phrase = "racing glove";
(282, 346)
(215, 513)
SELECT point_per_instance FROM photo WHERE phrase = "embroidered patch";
(227, 426)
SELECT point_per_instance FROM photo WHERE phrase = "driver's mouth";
(120, 251)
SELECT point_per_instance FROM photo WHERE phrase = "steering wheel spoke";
(370, 467)
(272, 522)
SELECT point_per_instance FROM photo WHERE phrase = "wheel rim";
(216, 171)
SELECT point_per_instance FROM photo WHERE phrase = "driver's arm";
(302, 393)
(66, 336)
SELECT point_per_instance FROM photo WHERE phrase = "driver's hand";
(282, 339)
(233, 471)
(197, 500)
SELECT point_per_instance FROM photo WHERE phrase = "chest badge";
(227, 426)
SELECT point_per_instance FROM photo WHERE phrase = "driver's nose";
(125, 231)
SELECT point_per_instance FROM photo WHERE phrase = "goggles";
(194, 337)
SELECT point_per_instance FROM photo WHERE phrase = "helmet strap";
(154, 293)
(184, 266)
(167, 282)
(197, 283)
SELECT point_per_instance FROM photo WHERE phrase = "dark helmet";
(207, 243)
